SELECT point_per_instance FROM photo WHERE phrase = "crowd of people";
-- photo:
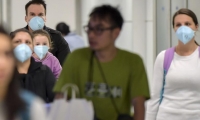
(36, 63)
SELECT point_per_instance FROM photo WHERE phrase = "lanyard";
(90, 77)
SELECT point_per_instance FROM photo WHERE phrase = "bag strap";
(90, 70)
(169, 55)
(90, 78)
(109, 90)
(74, 89)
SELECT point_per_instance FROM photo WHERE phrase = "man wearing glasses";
(113, 79)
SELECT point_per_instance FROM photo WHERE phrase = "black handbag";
(120, 116)
(124, 117)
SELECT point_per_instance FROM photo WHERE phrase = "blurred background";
(147, 29)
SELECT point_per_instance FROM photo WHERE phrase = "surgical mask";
(185, 34)
(22, 52)
(36, 23)
(41, 51)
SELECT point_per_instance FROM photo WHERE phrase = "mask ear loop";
(195, 33)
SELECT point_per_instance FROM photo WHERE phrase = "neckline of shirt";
(196, 52)
(114, 59)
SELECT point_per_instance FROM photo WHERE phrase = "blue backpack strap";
(28, 99)
(169, 55)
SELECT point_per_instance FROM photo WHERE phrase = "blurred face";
(41, 40)
(101, 34)
(186, 20)
(35, 10)
(6, 61)
(22, 37)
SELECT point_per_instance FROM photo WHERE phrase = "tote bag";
(73, 109)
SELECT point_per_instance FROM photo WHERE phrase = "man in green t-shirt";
(113, 79)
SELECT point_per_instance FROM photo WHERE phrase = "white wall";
(57, 11)
(4, 13)
(194, 6)
(165, 10)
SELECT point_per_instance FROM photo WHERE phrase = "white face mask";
(41, 51)
(185, 34)
(22, 52)
(36, 23)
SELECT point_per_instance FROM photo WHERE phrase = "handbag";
(73, 109)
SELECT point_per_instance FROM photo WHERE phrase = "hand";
(59, 96)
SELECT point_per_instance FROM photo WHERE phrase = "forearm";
(139, 113)
(59, 95)
(139, 108)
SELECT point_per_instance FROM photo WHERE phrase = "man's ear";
(45, 19)
(197, 27)
(116, 32)
(26, 19)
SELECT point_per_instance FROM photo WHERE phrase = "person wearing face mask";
(34, 76)
(176, 81)
(15, 103)
(36, 18)
(42, 43)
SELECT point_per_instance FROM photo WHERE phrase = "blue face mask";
(36, 23)
(22, 52)
(41, 51)
(185, 34)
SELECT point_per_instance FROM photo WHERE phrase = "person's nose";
(91, 34)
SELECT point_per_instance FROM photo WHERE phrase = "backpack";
(169, 55)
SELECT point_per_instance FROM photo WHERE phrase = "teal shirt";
(125, 75)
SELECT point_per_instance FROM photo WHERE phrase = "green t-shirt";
(125, 74)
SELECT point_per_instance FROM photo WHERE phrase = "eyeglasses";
(97, 30)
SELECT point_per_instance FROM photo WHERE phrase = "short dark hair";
(108, 12)
(13, 34)
(63, 28)
(42, 2)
